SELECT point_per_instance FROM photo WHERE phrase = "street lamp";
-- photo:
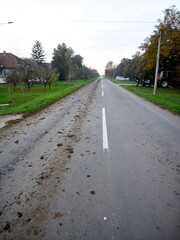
(6, 23)
(157, 63)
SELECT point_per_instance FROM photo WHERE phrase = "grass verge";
(124, 82)
(166, 98)
(38, 97)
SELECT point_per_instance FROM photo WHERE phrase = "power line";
(109, 21)
(105, 31)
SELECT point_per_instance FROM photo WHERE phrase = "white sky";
(98, 30)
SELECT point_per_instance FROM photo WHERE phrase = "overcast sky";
(98, 30)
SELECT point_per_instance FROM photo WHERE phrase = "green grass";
(37, 98)
(166, 98)
(124, 82)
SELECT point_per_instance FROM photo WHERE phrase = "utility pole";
(157, 63)
(113, 69)
(70, 69)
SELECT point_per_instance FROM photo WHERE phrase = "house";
(8, 62)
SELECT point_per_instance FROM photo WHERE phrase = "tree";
(61, 60)
(89, 72)
(70, 66)
(28, 71)
(68, 59)
(170, 42)
(46, 72)
(133, 68)
(12, 77)
(142, 66)
(38, 52)
(123, 68)
(77, 64)
(109, 69)
(78, 60)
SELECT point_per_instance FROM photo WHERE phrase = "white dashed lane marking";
(104, 128)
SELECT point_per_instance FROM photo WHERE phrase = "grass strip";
(124, 82)
(38, 97)
(166, 98)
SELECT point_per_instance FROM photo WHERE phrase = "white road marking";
(102, 93)
(104, 128)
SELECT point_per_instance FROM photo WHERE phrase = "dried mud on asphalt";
(33, 155)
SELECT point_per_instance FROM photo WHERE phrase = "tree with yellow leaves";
(170, 43)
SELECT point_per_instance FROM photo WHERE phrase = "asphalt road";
(99, 164)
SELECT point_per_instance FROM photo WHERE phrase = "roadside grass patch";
(124, 82)
(166, 98)
(38, 97)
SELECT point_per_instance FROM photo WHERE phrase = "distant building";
(47, 65)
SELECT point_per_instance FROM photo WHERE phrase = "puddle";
(5, 119)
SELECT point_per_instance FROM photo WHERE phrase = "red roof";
(9, 60)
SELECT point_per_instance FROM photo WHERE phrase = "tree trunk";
(14, 87)
(22, 88)
(9, 92)
(29, 87)
(45, 86)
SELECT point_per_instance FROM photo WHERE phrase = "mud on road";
(33, 155)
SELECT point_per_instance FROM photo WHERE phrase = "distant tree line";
(70, 66)
(142, 65)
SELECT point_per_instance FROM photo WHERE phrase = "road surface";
(101, 164)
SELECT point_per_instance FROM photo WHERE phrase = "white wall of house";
(1, 79)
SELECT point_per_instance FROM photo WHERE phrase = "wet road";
(100, 164)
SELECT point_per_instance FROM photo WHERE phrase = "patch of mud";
(8, 119)
(58, 215)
